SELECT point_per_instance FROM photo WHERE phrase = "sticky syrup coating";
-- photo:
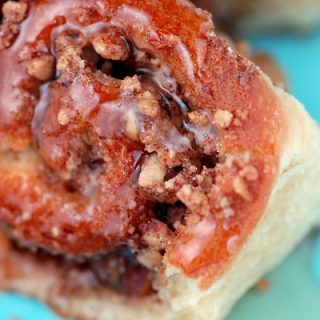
(123, 124)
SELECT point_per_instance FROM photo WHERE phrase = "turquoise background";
(295, 284)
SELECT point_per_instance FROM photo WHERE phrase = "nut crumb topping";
(131, 84)
(132, 129)
(195, 199)
(147, 105)
(14, 11)
(250, 173)
(223, 118)
(55, 231)
(63, 117)
(26, 216)
(156, 235)
(42, 67)
(110, 45)
(152, 259)
(152, 172)
(228, 213)
(240, 187)
(199, 118)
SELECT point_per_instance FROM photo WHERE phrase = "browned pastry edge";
(240, 103)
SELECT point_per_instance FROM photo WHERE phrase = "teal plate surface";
(295, 284)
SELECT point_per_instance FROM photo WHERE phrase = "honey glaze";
(115, 109)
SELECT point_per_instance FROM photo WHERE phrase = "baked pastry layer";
(158, 153)
(292, 210)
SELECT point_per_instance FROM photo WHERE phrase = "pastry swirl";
(141, 150)
(118, 127)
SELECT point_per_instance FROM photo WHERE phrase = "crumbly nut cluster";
(41, 67)
(110, 44)
(13, 14)
(14, 11)
(152, 172)
(223, 118)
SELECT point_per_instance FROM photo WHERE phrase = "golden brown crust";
(210, 159)
(224, 196)
(72, 291)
